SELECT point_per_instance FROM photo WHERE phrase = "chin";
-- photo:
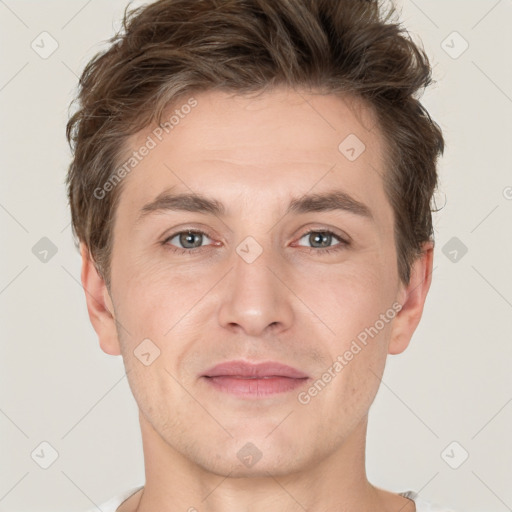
(254, 456)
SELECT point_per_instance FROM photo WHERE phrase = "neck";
(334, 483)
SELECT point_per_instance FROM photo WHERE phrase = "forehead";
(293, 124)
(276, 145)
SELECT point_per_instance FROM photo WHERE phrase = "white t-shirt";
(421, 505)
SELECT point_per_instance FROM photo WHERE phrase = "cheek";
(350, 297)
(153, 297)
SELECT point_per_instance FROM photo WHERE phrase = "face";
(289, 258)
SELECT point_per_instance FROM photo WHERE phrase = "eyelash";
(326, 250)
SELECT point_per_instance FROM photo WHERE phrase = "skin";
(299, 307)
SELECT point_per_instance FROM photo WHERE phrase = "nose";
(255, 299)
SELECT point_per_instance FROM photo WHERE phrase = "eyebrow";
(197, 203)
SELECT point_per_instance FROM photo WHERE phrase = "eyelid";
(341, 237)
(187, 228)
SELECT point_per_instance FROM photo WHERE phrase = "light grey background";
(452, 384)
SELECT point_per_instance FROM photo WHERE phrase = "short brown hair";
(173, 48)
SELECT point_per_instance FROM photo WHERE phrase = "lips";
(246, 370)
(251, 381)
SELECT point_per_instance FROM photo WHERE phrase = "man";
(251, 189)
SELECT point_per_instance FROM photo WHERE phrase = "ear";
(99, 304)
(412, 297)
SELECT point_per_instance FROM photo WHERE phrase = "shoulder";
(423, 505)
(122, 502)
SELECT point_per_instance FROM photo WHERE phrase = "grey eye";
(319, 239)
(188, 239)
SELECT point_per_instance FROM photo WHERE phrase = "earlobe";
(99, 304)
(412, 299)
